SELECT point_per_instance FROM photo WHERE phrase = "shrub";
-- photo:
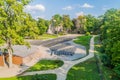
(62, 33)
(102, 49)
(117, 70)
(87, 34)
(106, 60)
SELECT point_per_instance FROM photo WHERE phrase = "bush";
(87, 34)
(117, 70)
(106, 60)
(62, 33)
(102, 49)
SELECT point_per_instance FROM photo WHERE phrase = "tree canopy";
(67, 23)
(12, 22)
(42, 25)
(110, 37)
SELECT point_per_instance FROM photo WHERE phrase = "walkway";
(62, 71)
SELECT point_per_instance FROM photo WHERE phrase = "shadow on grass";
(46, 65)
(84, 71)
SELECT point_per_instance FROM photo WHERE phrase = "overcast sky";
(47, 8)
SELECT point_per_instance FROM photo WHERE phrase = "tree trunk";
(10, 57)
(9, 52)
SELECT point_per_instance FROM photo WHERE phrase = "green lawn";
(46, 65)
(83, 40)
(47, 36)
(84, 71)
(106, 72)
(34, 77)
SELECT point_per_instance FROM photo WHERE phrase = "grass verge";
(33, 77)
(84, 71)
(46, 65)
(85, 41)
(47, 36)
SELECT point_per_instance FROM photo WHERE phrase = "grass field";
(83, 40)
(47, 36)
(33, 77)
(84, 71)
(46, 65)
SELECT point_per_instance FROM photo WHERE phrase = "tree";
(111, 38)
(76, 25)
(56, 22)
(47, 23)
(31, 29)
(42, 25)
(67, 23)
(11, 22)
(82, 22)
(89, 23)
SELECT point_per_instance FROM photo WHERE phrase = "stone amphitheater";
(62, 48)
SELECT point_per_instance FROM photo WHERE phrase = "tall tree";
(67, 23)
(76, 25)
(12, 17)
(42, 25)
(82, 21)
(56, 22)
(90, 23)
(30, 29)
(111, 38)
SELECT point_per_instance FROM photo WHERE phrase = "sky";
(47, 8)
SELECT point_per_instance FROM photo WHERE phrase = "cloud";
(105, 8)
(37, 7)
(68, 8)
(40, 16)
(79, 14)
(86, 5)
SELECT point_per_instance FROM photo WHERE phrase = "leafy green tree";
(42, 25)
(30, 28)
(117, 71)
(67, 23)
(97, 25)
(56, 22)
(12, 20)
(82, 22)
(116, 53)
(89, 23)
(47, 23)
(79, 24)
(111, 38)
(107, 20)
